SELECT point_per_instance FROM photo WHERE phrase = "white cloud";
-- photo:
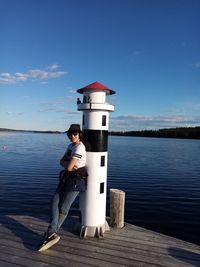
(44, 74)
(44, 82)
(49, 72)
(21, 76)
(53, 67)
(7, 78)
(129, 122)
(38, 74)
(73, 91)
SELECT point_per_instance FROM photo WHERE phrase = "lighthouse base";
(94, 231)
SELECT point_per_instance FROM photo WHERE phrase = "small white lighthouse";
(95, 137)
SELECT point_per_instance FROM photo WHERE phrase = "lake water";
(161, 179)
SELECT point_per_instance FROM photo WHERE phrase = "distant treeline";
(28, 131)
(183, 132)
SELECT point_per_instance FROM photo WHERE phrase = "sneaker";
(46, 235)
(49, 241)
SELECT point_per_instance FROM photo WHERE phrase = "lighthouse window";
(104, 120)
(83, 122)
(102, 161)
(101, 188)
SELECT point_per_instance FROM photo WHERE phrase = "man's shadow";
(30, 239)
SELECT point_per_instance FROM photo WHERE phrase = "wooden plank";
(54, 256)
(72, 252)
(116, 251)
(8, 264)
(136, 232)
(24, 258)
(129, 246)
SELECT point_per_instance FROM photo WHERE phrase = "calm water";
(161, 178)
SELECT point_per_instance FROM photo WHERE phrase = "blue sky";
(148, 51)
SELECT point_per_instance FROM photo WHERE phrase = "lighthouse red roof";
(96, 86)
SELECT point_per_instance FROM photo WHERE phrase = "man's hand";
(64, 163)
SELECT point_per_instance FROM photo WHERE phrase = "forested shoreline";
(28, 131)
(179, 132)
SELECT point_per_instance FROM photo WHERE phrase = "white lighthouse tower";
(95, 137)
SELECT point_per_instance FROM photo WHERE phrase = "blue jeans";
(60, 209)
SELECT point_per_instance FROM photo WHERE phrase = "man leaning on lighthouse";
(94, 135)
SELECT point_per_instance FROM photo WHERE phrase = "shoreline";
(173, 133)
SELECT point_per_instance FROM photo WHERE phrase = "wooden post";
(117, 204)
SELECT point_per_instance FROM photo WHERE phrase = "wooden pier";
(129, 246)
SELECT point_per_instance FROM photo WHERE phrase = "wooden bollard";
(117, 205)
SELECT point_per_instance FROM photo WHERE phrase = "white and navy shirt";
(77, 152)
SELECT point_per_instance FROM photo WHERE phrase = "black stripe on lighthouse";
(95, 140)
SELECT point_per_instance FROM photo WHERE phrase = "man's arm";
(65, 161)
(68, 164)
(71, 165)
